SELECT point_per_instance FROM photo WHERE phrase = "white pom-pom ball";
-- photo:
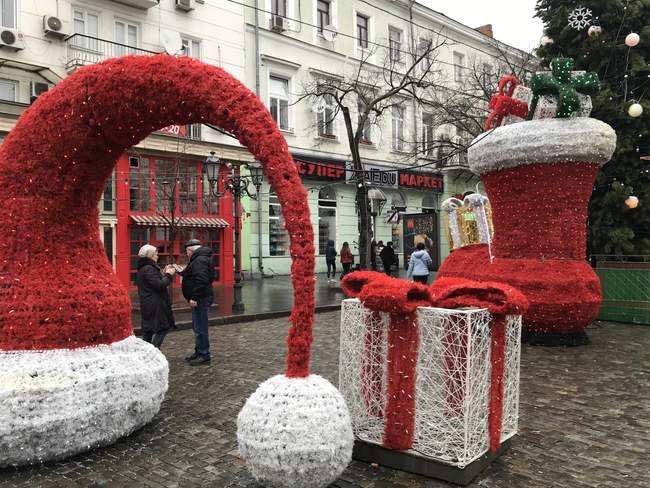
(594, 31)
(632, 39)
(546, 40)
(295, 432)
(635, 110)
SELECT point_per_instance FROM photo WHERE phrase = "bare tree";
(383, 79)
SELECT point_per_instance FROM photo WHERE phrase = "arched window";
(398, 203)
(326, 217)
(429, 203)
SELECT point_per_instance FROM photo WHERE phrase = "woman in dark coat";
(155, 306)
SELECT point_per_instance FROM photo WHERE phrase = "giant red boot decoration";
(538, 176)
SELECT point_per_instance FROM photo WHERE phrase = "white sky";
(512, 20)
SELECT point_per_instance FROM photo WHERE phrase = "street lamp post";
(237, 185)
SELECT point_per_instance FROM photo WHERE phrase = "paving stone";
(584, 419)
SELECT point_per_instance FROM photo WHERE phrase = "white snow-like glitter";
(542, 141)
(295, 432)
(57, 403)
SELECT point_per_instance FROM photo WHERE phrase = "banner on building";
(421, 228)
(419, 180)
(375, 176)
(174, 130)
(323, 171)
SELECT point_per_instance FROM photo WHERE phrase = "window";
(395, 45)
(139, 236)
(463, 139)
(326, 117)
(279, 101)
(139, 190)
(127, 35)
(86, 24)
(187, 195)
(366, 136)
(165, 185)
(424, 49)
(107, 240)
(209, 238)
(9, 13)
(323, 14)
(398, 128)
(279, 7)
(278, 236)
(191, 48)
(108, 202)
(210, 202)
(427, 140)
(429, 203)
(459, 67)
(326, 218)
(193, 131)
(362, 31)
(444, 149)
(8, 89)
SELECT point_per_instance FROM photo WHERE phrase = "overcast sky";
(512, 20)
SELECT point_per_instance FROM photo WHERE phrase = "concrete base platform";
(413, 462)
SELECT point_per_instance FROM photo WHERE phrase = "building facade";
(290, 45)
(157, 193)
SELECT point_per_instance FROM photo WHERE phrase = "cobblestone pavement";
(585, 420)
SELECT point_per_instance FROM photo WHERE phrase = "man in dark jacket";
(197, 290)
(387, 256)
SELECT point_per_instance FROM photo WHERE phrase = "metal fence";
(83, 50)
(625, 281)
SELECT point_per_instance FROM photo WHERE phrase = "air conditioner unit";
(278, 23)
(54, 27)
(11, 39)
(38, 88)
(186, 5)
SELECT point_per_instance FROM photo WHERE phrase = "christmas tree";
(594, 33)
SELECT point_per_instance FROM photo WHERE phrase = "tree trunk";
(363, 205)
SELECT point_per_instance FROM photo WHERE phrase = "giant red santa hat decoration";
(72, 375)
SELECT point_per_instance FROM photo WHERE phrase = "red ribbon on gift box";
(503, 104)
(400, 299)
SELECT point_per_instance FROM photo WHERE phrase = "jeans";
(332, 265)
(155, 338)
(421, 279)
(200, 326)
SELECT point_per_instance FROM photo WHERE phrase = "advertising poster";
(423, 228)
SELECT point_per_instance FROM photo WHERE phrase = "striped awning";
(160, 221)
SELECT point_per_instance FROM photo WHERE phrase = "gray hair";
(147, 251)
(193, 248)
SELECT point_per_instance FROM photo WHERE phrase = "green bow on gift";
(566, 86)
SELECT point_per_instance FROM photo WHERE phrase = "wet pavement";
(584, 418)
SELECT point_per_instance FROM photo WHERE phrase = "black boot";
(200, 360)
(192, 357)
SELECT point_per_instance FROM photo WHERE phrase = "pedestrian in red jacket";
(346, 258)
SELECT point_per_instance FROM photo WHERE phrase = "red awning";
(160, 221)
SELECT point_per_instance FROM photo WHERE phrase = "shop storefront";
(164, 201)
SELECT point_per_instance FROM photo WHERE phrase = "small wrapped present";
(547, 107)
(503, 103)
(523, 94)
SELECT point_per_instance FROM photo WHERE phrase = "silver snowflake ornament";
(580, 18)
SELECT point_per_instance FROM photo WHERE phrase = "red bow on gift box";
(503, 104)
(400, 299)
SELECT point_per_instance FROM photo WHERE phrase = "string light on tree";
(632, 39)
(635, 110)
(632, 201)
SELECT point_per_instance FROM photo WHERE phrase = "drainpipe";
(260, 263)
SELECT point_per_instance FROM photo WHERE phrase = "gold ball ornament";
(632, 201)
(632, 39)
(635, 110)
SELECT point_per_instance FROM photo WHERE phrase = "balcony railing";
(83, 50)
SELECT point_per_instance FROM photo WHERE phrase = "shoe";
(200, 360)
(191, 357)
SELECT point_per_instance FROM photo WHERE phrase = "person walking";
(197, 290)
(155, 306)
(346, 259)
(387, 256)
(330, 259)
(373, 255)
(420, 264)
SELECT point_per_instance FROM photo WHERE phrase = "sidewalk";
(263, 299)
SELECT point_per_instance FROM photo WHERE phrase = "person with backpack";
(197, 290)
(420, 264)
(346, 259)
